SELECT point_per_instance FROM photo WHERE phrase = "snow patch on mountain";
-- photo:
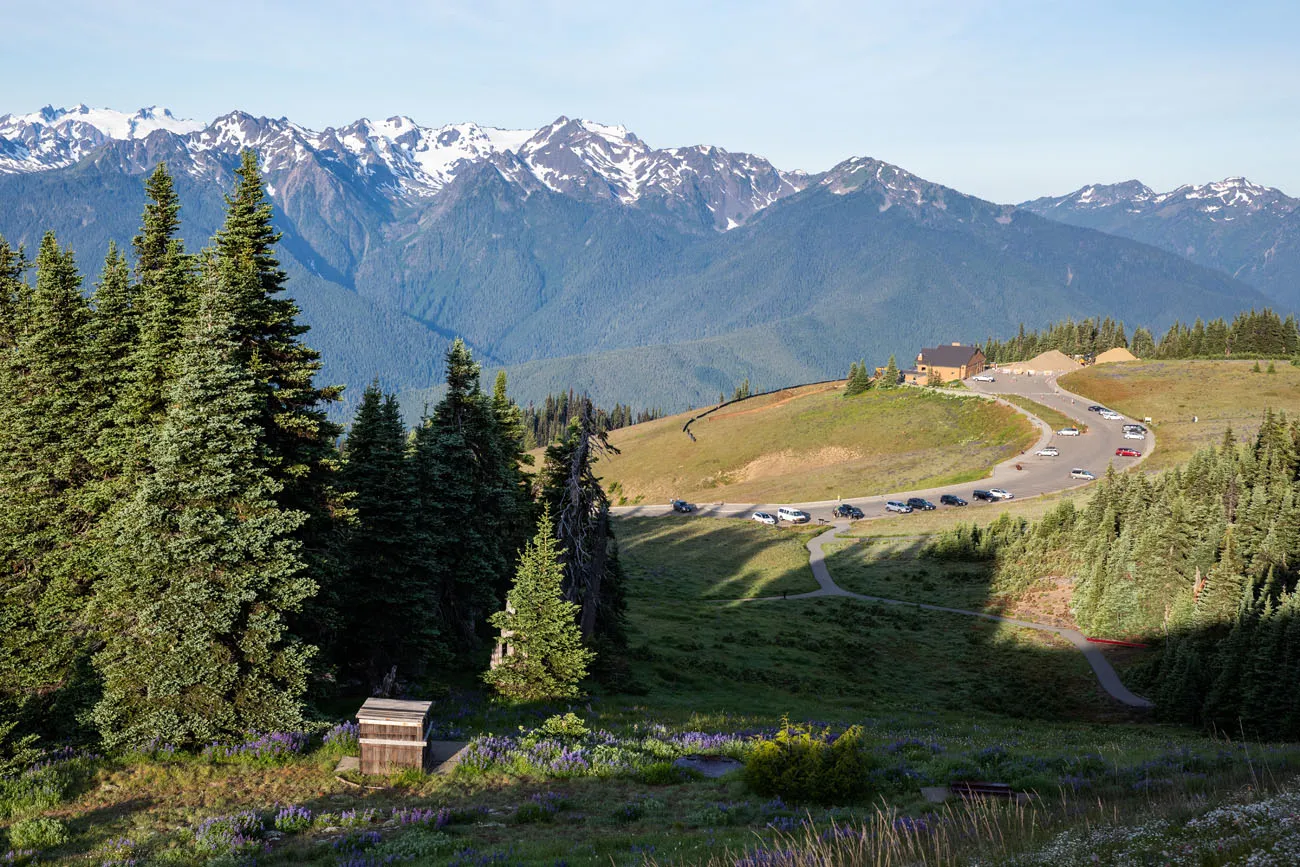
(1220, 200)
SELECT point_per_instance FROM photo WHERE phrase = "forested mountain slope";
(578, 255)
(1241, 228)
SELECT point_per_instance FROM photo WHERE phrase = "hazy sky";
(1006, 100)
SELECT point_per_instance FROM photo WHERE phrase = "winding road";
(1094, 450)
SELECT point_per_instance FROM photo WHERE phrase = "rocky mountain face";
(578, 255)
(1248, 231)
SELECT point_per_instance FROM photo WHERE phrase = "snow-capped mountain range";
(571, 156)
(1220, 201)
(581, 256)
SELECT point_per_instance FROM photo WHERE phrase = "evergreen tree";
(572, 491)
(889, 379)
(468, 511)
(195, 644)
(386, 611)
(298, 440)
(859, 380)
(545, 659)
(12, 292)
(160, 304)
(47, 508)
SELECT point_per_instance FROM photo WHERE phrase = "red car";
(1127, 453)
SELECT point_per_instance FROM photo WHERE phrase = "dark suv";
(682, 506)
(844, 510)
(951, 500)
(983, 495)
(922, 504)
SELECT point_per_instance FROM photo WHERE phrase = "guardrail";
(686, 428)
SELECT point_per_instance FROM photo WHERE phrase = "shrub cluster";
(801, 765)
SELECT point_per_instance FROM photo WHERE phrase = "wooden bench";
(973, 789)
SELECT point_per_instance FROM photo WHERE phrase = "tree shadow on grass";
(834, 654)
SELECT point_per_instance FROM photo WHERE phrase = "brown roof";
(948, 356)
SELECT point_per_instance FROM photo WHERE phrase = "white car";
(1068, 432)
(764, 518)
(1048, 452)
(794, 516)
(1000, 494)
(1077, 473)
(1112, 416)
(1134, 435)
(983, 377)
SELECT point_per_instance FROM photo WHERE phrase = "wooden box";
(394, 735)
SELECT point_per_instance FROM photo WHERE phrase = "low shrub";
(568, 725)
(235, 834)
(802, 766)
(38, 834)
(416, 844)
(45, 784)
(541, 807)
(666, 774)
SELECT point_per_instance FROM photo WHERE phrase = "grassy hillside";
(934, 695)
(1218, 393)
(813, 444)
(819, 658)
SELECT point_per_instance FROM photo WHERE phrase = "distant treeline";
(1203, 560)
(548, 423)
(1253, 334)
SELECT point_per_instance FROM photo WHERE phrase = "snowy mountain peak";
(399, 157)
(1219, 200)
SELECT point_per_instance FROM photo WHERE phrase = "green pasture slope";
(712, 667)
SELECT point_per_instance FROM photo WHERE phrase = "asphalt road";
(1093, 451)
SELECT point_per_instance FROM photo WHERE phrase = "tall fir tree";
(297, 436)
(195, 642)
(161, 304)
(386, 610)
(46, 569)
(458, 459)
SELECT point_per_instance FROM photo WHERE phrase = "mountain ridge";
(578, 240)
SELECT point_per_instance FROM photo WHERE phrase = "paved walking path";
(826, 586)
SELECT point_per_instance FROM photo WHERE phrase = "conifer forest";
(190, 550)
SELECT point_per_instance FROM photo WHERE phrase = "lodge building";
(945, 363)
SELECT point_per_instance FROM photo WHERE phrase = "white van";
(794, 516)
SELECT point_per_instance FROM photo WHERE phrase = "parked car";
(983, 377)
(1095, 408)
(1109, 415)
(1137, 427)
(1068, 432)
(682, 506)
(844, 510)
(1134, 435)
(952, 500)
(982, 495)
(1077, 473)
(794, 516)
(1048, 452)
(895, 506)
(999, 494)
(765, 518)
(1127, 453)
(920, 503)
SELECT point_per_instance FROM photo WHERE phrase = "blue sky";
(1006, 100)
